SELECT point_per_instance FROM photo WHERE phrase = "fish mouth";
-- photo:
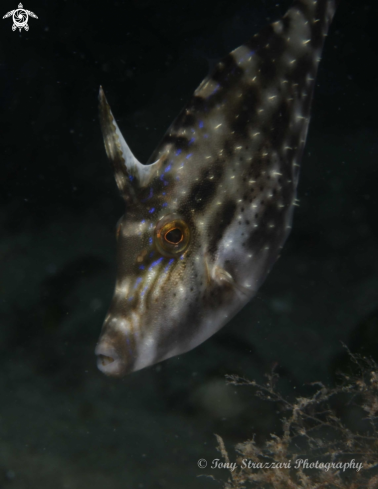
(109, 361)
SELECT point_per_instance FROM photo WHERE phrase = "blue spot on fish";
(169, 264)
(152, 210)
(200, 125)
(153, 264)
(216, 88)
(179, 151)
(149, 196)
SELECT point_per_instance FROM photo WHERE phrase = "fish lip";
(109, 361)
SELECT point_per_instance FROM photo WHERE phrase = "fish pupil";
(174, 236)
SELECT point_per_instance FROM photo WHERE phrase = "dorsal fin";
(129, 173)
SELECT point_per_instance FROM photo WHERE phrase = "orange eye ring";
(176, 236)
(172, 236)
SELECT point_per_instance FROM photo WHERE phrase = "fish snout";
(115, 355)
(109, 361)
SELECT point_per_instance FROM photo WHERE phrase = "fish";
(207, 216)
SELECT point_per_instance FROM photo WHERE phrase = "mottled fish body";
(206, 219)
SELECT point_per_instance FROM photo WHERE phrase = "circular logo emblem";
(20, 19)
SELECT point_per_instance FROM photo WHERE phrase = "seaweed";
(315, 449)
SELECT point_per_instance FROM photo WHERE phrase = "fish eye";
(172, 236)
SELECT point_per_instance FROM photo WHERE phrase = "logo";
(20, 18)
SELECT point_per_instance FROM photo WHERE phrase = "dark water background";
(62, 423)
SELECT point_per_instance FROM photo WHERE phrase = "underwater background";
(62, 423)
